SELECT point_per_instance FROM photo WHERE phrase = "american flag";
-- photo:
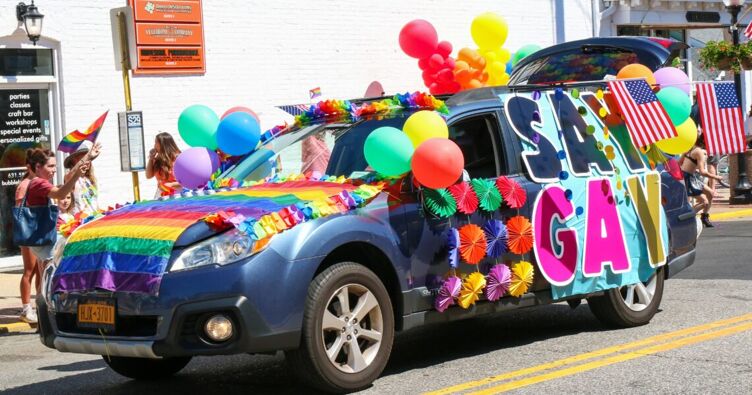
(646, 119)
(721, 118)
(748, 31)
(295, 109)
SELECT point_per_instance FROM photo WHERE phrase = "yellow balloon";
(424, 125)
(504, 55)
(490, 56)
(504, 79)
(686, 136)
(489, 30)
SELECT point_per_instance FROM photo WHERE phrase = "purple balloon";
(672, 77)
(194, 167)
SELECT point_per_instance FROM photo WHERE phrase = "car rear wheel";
(348, 329)
(146, 368)
(631, 305)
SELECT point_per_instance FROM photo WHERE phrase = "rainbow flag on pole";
(73, 140)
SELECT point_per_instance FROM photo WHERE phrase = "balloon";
(238, 134)
(388, 151)
(509, 67)
(197, 125)
(444, 48)
(437, 163)
(636, 70)
(686, 136)
(424, 125)
(194, 167)
(524, 52)
(240, 109)
(677, 104)
(418, 39)
(672, 77)
(435, 62)
(489, 30)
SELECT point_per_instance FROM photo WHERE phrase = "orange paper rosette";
(472, 243)
(520, 232)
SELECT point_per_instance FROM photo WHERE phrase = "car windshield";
(332, 149)
(584, 66)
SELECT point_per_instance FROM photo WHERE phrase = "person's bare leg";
(708, 193)
(700, 203)
(713, 169)
(29, 262)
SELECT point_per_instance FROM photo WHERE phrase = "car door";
(478, 134)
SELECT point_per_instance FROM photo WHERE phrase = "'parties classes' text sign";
(169, 37)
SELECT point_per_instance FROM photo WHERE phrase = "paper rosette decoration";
(453, 245)
(449, 291)
(496, 238)
(440, 202)
(472, 243)
(522, 278)
(467, 200)
(488, 196)
(472, 287)
(513, 193)
(497, 282)
(520, 235)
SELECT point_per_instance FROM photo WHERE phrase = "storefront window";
(17, 62)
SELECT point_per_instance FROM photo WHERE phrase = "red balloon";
(418, 39)
(444, 48)
(423, 64)
(444, 76)
(449, 63)
(438, 163)
(436, 62)
(241, 109)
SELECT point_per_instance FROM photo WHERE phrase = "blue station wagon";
(333, 291)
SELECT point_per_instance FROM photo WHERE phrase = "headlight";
(47, 274)
(224, 249)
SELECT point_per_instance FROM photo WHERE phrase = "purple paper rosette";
(447, 293)
(497, 282)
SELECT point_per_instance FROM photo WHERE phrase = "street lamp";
(742, 187)
(32, 19)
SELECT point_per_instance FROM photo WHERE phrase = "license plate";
(97, 313)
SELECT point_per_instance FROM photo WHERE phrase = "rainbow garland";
(343, 110)
(128, 249)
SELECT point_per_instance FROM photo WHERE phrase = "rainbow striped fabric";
(128, 249)
(73, 140)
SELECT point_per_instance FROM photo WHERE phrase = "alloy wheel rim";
(637, 297)
(352, 328)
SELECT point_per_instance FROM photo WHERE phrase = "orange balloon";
(636, 70)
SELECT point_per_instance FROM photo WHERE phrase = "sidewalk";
(723, 211)
(10, 303)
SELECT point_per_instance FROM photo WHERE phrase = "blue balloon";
(510, 66)
(238, 134)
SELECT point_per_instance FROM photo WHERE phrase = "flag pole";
(126, 65)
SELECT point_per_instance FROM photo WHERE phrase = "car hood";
(592, 59)
(128, 249)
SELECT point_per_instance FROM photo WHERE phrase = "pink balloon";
(672, 77)
(418, 39)
(444, 76)
(423, 64)
(241, 109)
(449, 63)
(436, 62)
(444, 48)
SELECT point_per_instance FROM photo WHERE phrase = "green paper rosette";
(488, 196)
(440, 202)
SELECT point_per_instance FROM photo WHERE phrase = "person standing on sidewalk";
(32, 270)
(694, 167)
(40, 191)
(160, 164)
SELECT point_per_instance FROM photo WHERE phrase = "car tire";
(146, 368)
(371, 329)
(626, 307)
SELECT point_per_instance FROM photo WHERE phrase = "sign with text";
(177, 24)
(132, 151)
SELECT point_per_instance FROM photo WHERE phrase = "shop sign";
(169, 37)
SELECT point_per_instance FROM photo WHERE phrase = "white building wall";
(262, 53)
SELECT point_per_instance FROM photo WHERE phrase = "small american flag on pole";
(646, 119)
(721, 118)
(748, 31)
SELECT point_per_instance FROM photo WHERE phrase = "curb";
(731, 215)
(15, 327)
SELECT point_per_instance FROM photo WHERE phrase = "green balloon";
(677, 104)
(197, 125)
(524, 52)
(389, 151)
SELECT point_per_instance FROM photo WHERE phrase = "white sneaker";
(29, 316)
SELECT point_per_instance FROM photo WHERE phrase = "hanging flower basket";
(746, 63)
(722, 55)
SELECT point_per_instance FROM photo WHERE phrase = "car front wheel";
(631, 305)
(145, 368)
(348, 329)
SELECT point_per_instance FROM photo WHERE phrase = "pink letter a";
(604, 237)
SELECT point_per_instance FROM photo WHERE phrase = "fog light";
(218, 328)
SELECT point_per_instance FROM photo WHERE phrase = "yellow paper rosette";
(522, 278)
(472, 287)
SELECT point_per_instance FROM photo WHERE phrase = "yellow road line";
(643, 352)
(589, 355)
(731, 214)
(15, 327)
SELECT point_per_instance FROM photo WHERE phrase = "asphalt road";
(485, 354)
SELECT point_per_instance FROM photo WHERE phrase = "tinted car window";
(347, 156)
(585, 66)
(478, 139)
